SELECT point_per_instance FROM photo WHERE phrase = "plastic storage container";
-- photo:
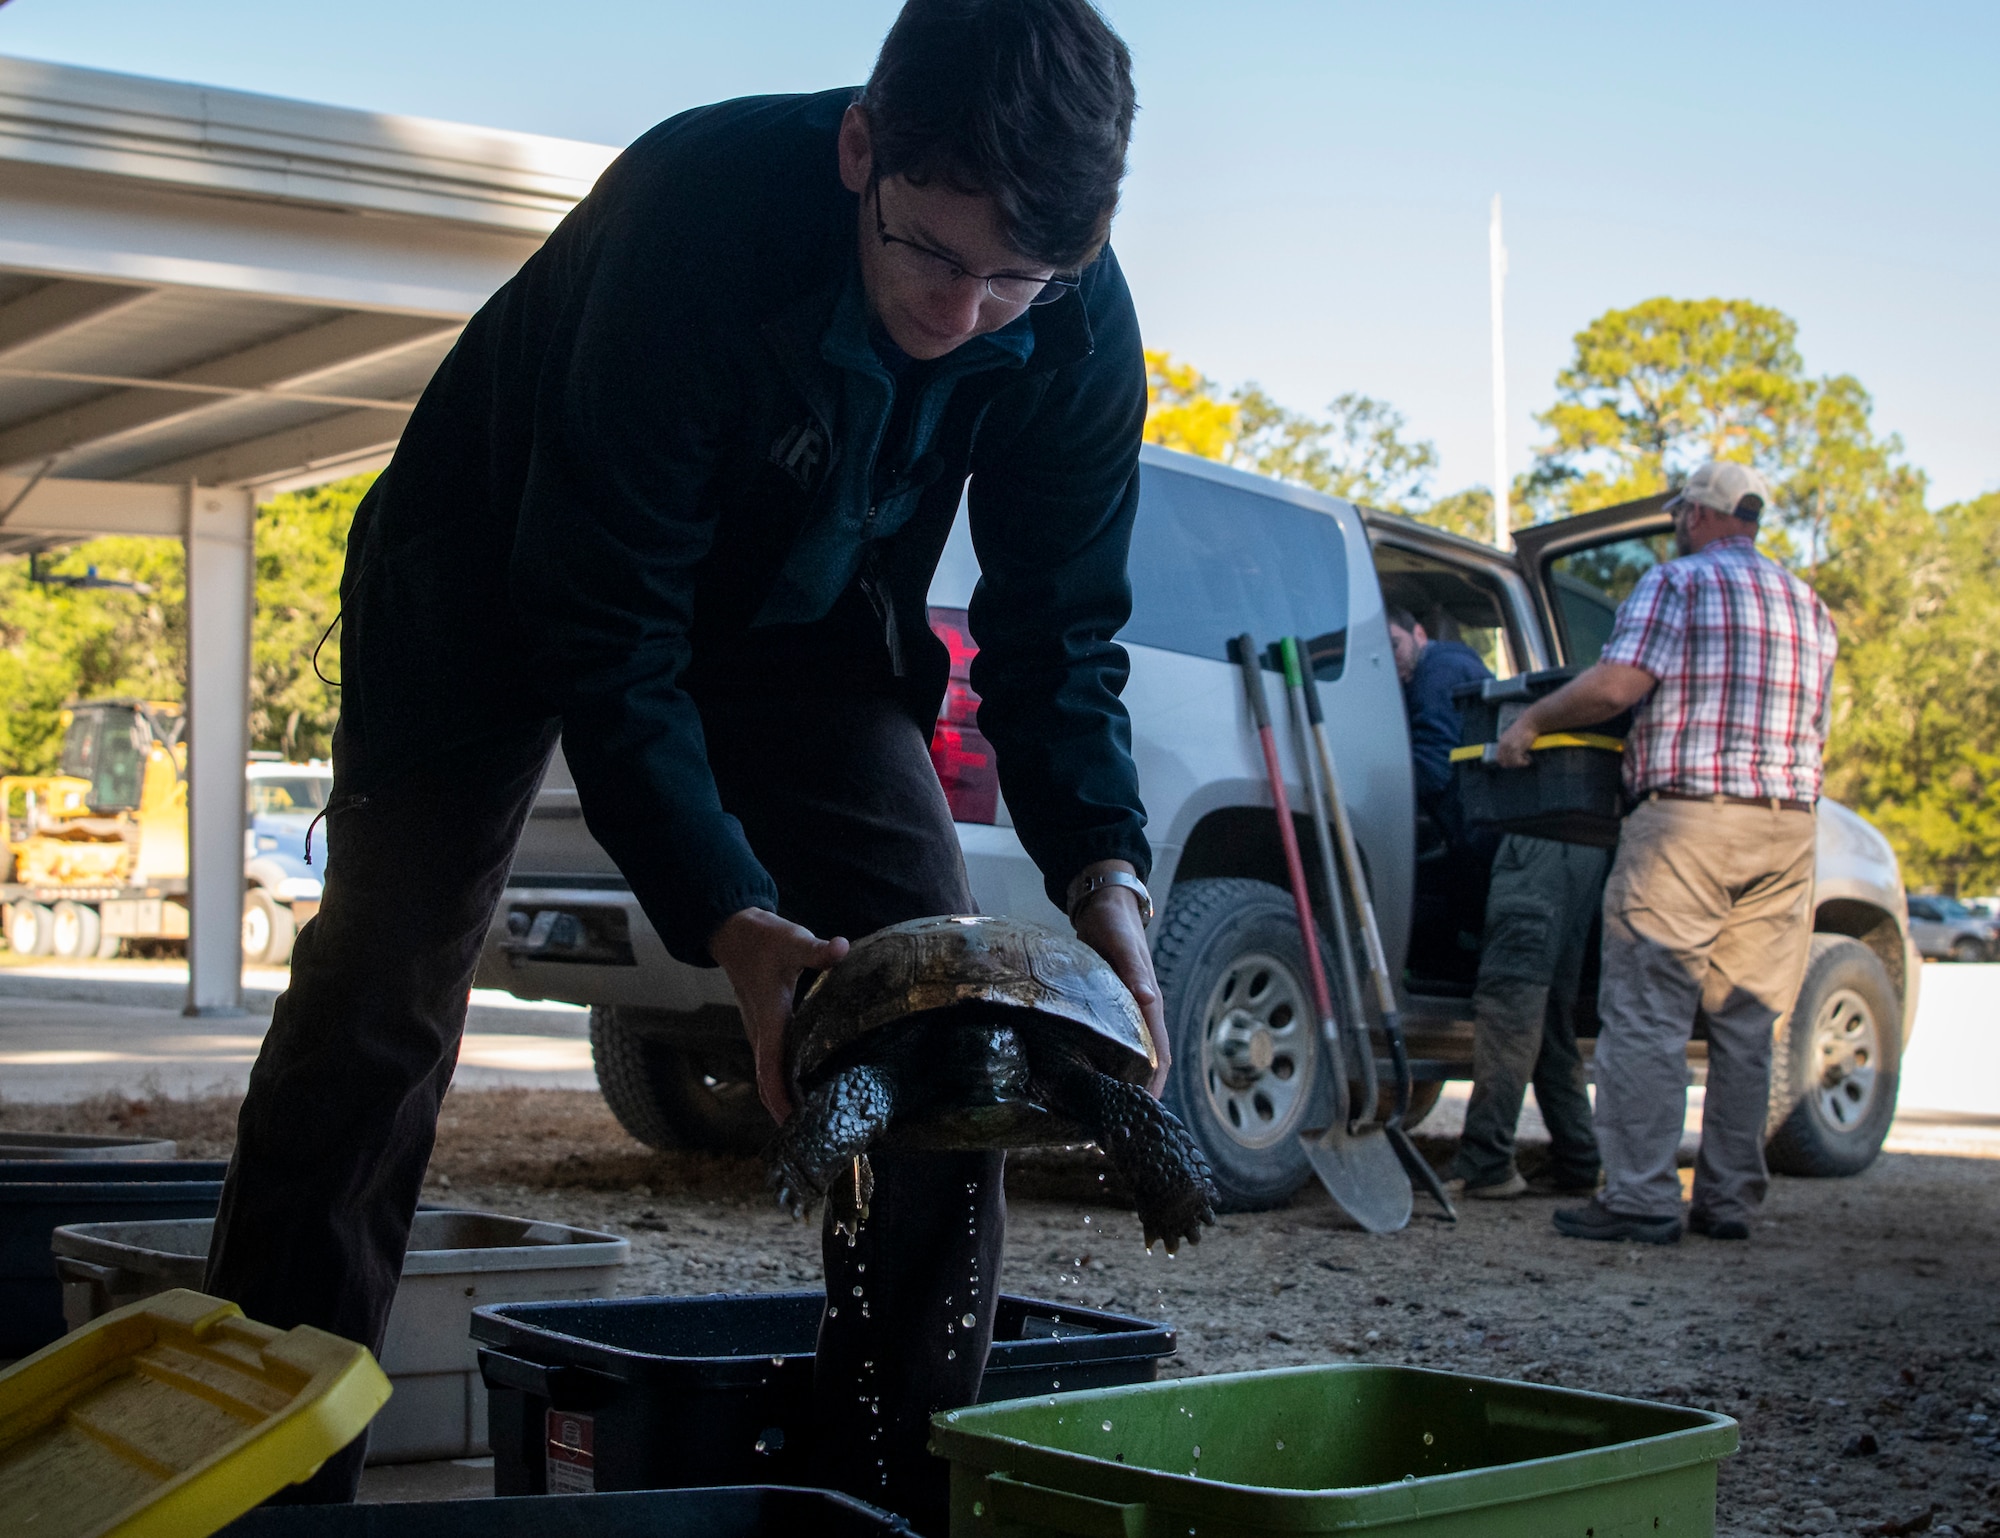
(82, 1145)
(660, 1393)
(38, 1196)
(1572, 792)
(1344, 1449)
(737, 1512)
(457, 1261)
(172, 1417)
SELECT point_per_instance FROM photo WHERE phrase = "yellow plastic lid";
(171, 1418)
(1551, 740)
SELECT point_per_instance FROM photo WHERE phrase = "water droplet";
(833, 1309)
(778, 1361)
(952, 1356)
(1055, 1383)
(1107, 1425)
(1428, 1439)
(1281, 1444)
(857, 1289)
(968, 1321)
(861, 1265)
(1409, 1479)
(979, 1507)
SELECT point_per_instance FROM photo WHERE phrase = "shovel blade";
(1363, 1176)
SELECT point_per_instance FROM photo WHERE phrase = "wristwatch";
(1081, 889)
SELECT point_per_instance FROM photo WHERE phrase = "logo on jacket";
(799, 452)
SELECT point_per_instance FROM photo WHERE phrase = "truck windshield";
(276, 794)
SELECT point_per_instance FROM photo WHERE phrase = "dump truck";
(96, 854)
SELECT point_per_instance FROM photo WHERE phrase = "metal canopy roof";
(215, 288)
(207, 294)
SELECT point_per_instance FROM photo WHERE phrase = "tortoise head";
(953, 961)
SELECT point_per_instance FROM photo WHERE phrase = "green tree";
(1357, 452)
(301, 547)
(1654, 390)
(1916, 742)
(59, 643)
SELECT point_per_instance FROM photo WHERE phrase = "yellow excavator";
(97, 852)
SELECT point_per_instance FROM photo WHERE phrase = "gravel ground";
(1854, 1336)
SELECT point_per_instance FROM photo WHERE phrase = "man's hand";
(763, 956)
(1596, 694)
(1109, 923)
(1512, 749)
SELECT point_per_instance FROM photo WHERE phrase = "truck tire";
(671, 1096)
(268, 930)
(1245, 1076)
(30, 929)
(74, 929)
(1834, 1064)
(1966, 950)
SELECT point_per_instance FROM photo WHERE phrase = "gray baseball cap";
(1721, 485)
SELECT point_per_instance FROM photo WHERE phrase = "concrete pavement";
(70, 1031)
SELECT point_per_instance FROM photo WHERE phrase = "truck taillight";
(962, 757)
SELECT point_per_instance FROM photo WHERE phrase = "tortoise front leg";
(1172, 1186)
(828, 1138)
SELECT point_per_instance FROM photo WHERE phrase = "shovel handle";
(1288, 838)
(1245, 650)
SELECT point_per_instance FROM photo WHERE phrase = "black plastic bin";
(740, 1512)
(661, 1393)
(1572, 792)
(38, 1196)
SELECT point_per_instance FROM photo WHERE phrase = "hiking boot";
(1711, 1227)
(1594, 1220)
(1500, 1191)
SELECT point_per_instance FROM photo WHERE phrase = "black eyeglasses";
(937, 270)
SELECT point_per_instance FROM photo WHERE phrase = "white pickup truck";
(1217, 552)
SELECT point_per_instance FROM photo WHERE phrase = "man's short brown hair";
(1028, 102)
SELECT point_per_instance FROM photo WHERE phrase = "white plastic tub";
(457, 1261)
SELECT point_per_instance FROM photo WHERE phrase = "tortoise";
(961, 1032)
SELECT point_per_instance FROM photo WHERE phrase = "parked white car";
(1217, 552)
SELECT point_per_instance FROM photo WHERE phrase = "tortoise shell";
(956, 960)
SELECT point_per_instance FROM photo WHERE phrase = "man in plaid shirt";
(1729, 660)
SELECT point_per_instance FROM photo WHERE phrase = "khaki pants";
(1708, 911)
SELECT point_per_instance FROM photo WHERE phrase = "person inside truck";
(1527, 904)
(1453, 859)
(676, 496)
(1728, 658)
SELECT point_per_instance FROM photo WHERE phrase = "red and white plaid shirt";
(1744, 654)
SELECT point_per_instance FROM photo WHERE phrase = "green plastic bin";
(1337, 1449)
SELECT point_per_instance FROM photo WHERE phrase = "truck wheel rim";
(256, 931)
(1846, 1044)
(1257, 1057)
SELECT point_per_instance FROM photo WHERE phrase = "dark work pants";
(839, 800)
(1539, 909)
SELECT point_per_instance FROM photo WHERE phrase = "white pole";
(1496, 261)
(220, 572)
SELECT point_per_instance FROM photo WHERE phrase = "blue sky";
(1309, 188)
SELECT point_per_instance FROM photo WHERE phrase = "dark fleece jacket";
(598, 490)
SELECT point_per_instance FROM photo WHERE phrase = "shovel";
(1378, 963)
(1350, 1156)
(1368, 1188)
